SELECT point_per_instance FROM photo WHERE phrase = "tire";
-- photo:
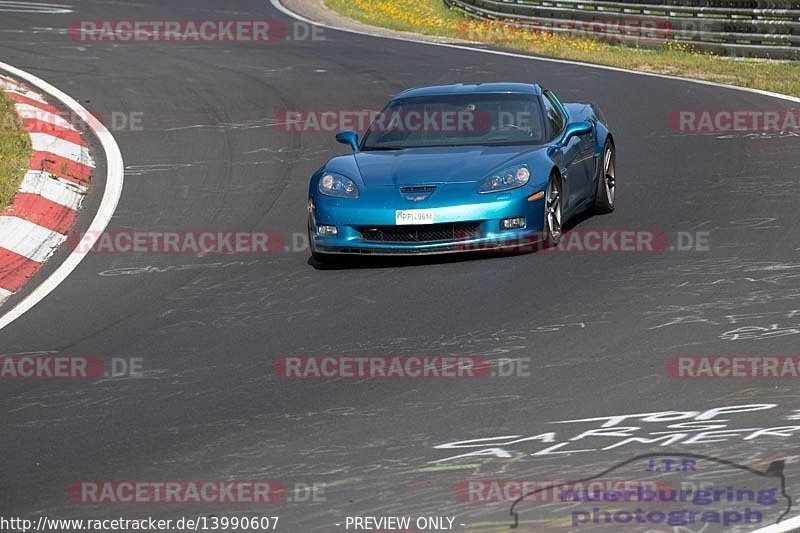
(607, 181)
(320, 258)
(323, 259)
(553, 212)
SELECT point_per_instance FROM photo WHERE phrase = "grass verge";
(15, 150)
(432, 17)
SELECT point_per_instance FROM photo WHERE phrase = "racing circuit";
(596, 331)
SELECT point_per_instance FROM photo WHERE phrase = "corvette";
(460, 168)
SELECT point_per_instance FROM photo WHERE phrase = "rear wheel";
(553, 211)
(607, 184)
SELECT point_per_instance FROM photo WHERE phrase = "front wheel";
(323, 259)
(320, 258)
(607, 183)
(553, 210)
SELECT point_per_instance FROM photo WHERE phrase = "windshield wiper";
(381, 148)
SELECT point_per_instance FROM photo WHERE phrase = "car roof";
(474, 88)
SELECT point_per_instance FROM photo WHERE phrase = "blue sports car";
(461, 168)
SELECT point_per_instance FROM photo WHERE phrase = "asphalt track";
(597, 328)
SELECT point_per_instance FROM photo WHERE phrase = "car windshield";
(457, 120)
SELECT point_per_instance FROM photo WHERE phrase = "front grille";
(412, 234)
(419, 188)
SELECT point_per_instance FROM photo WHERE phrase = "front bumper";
(351, 217)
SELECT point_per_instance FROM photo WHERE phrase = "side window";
(552, 110)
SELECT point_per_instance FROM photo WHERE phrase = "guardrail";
(726, 27)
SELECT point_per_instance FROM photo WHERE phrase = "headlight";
(338, 186)
(508, 179)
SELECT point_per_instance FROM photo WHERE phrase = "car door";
(586, 157)
(578, 163)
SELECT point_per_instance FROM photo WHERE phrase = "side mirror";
(574, 129)
(348, 137)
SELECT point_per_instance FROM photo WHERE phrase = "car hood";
(416, 166)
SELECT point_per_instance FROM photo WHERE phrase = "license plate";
(410, 217)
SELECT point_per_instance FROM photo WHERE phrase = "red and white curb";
(46, 205)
